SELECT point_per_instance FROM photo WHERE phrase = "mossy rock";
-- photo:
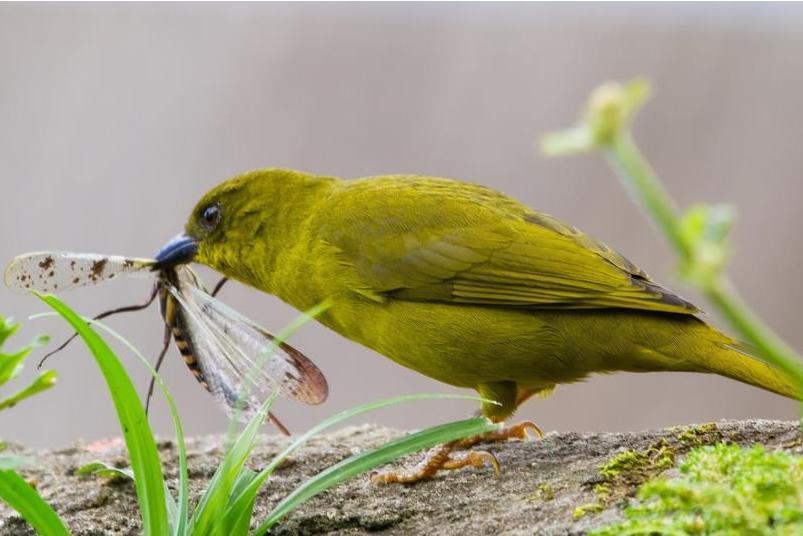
(541, 486)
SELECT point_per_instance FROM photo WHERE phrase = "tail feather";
(734, 363)
(720, 354)
(694, 346)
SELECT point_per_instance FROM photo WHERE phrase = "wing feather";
(440, 240)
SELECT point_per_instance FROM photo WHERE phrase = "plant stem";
(646, 188)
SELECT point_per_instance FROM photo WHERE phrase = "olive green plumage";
(458, 282)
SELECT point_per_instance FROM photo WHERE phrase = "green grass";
(11, 366)
(23, 498)
(226, 506)
(722, 489)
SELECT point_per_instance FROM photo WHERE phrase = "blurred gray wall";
(114, 119)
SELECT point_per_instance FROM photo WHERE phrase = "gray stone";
(462, 502)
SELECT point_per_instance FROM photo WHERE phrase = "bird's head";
(243, 218)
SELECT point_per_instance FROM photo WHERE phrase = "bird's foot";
(444, 457)
(440, 458)
(523, 430)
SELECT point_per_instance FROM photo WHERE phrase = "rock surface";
(541, 485)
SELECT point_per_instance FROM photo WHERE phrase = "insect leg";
(158, 365)
(278, 424)
(104, 314)
(219, 286)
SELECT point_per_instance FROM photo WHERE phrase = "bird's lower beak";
(180, 250)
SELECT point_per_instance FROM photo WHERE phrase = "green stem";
(648, 191)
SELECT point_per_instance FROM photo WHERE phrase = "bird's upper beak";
(180, 249)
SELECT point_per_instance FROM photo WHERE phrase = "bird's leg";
(441, 458)
(444, 457)
(523, 430)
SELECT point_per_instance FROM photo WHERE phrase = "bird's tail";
(734, 363)
(716, 353)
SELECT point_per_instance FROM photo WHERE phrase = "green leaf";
(177, 510)
(11, 364)
(137, 432)
(43, 382)
(105, 470)
(23, 498)
(209, 516)
(239, 504)
(7, 328)
(216, 512)
(704, 229)
(360, 463)
(240, 512)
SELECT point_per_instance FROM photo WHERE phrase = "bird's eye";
(210, 217)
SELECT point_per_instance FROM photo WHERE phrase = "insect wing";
(234, 355)
(51, 271)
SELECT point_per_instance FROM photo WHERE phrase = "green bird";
(458, 282)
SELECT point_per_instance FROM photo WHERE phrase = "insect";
(224, 350)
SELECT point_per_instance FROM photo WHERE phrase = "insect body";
(231, 356)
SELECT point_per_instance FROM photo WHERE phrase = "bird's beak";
(180, 249)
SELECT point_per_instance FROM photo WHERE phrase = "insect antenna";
(104, 314)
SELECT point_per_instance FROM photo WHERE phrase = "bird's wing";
(423, 239)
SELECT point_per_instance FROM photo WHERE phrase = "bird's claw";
(474, 458)
(441, 459)
(524, 430)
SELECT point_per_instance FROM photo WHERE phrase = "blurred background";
(115, 119)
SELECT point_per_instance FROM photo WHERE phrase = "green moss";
(626, 471)
(543, 492)
(696, 436)
(638, 465)
(590, 508)
(723, 489)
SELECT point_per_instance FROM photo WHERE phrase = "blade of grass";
(141, 445)
(23, 498)
(359, 463)
(178, 512)
(101, 468)
(239, 505)
(211, 509)
(212, 515)
(266, 354)
(243, 518)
